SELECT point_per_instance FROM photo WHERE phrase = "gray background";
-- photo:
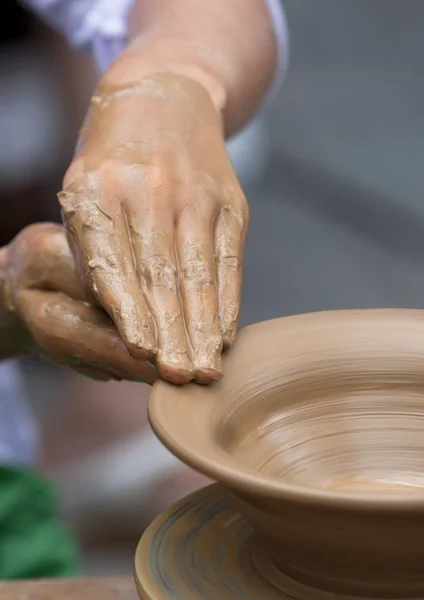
(338, 219)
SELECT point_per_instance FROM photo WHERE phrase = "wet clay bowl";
(317, 432)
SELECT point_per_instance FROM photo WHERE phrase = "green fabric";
(34, 543)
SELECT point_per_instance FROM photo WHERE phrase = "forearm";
(228, 46)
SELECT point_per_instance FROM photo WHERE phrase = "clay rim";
(255, 484)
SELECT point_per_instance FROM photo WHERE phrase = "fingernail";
(208, 369)
(176, 369)
(142, 349)
(206, 374)
(141, 342)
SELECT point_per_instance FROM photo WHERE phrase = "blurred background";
(334, 176)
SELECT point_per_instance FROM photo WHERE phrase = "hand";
(45, 311)
(157, 223)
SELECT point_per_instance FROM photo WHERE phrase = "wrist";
(164, 56)
(131, 89)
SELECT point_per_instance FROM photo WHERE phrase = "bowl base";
(296, 590)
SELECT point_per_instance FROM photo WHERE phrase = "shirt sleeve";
(101, 26)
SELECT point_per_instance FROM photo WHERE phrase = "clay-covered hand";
(44, 310)
(157, 223)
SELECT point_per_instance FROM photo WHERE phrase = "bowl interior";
(327, 402)
(345, 440)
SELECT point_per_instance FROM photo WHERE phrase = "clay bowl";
(317, 433)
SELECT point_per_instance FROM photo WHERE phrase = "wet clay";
(317, 433)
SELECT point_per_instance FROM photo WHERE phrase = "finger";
(49, 264)
(59, 266)
(77, 334)
(230, 236)
(154, 250)
(101, 232)
(194, 244)
(40, 257)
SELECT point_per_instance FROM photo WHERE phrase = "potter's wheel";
(200, 549)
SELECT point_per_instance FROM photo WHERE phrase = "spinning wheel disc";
(200, 549)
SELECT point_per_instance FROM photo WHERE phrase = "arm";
(228, 46)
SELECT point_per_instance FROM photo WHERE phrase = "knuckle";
(206, 203)
(235, 198)
(202, 200)
(230, 262)
(156, 179)
(92, 200)
(241, 209)
(35, 231)
(33, 248)
(75, 171)
(66, 202)
(198, 271)
(198, 207)
(86, 183)
(159, 272)
(208, 184)
(41, 250)
(79, 179)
